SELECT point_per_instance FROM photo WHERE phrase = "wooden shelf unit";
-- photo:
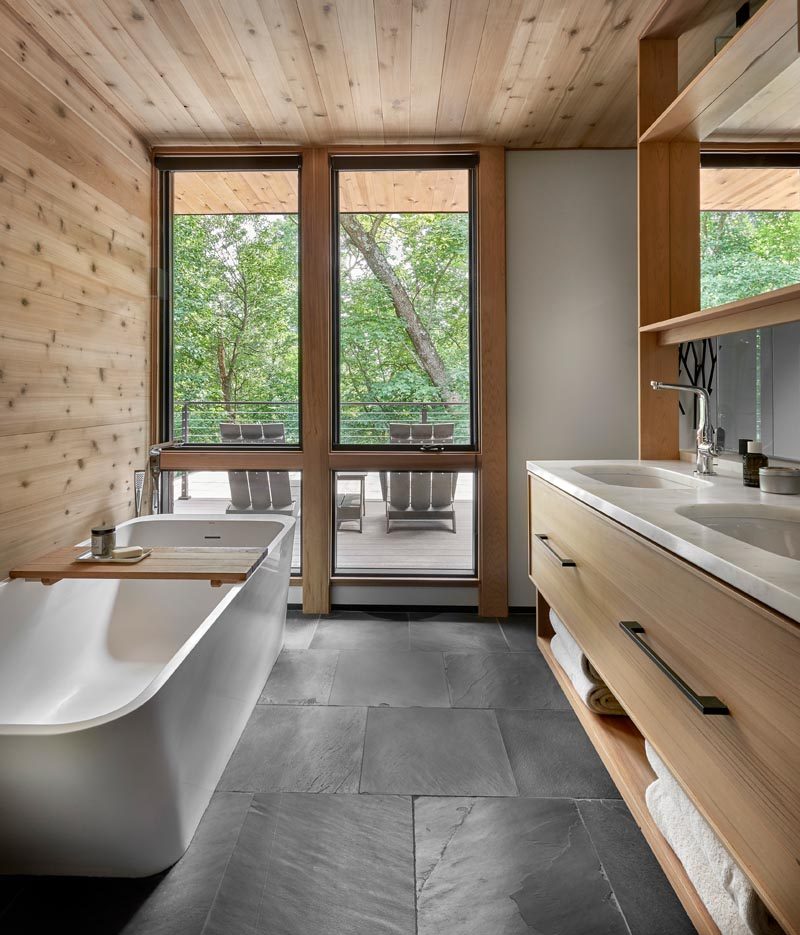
(770, 308)
(761, 51)
(621, 748)
(736, 93)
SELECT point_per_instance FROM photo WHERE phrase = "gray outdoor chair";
(420, 495)
(258, 491)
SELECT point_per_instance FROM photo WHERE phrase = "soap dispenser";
(753, 460)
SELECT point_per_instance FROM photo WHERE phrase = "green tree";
(404, 323)
(744, 253)
(404, 307)
(235, 308)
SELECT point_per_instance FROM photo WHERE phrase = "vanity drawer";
(741, 769)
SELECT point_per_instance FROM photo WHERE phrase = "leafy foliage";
(235, 307)
(430, 255)
(236, 322)
(744, 253)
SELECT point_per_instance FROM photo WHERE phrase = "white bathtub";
(121, 701)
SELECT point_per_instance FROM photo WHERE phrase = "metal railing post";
(185, 436)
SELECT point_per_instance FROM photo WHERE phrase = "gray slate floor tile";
(361, 633)
(465, 636)
(509, 867)
(520, 632)
(315, 864)
(551, 755)
(175, 902)
(502, 680)
(453, 616)
(276, 863)
(435, 751)
(301, 677)
(377, 677)
(647, 900)
(300, 628)
(298, 749)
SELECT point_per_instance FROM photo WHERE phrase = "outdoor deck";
(411, 547)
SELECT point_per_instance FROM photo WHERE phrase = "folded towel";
(585, 679)
(573, 649)
(596, 696)
(722, 886)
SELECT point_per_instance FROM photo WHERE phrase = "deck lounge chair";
(258, 491)
(419, 495)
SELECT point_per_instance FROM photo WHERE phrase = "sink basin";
(638, 475)
(770, 528)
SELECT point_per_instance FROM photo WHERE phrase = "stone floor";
(400, 775)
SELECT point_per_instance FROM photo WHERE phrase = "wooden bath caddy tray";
(216, 565)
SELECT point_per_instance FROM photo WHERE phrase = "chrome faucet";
(154, 464)
(706, 449)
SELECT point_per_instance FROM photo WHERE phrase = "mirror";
(756, 393)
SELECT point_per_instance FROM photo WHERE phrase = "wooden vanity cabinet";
(741, 769)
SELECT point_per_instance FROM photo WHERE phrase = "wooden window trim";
(188, 459)
(317, 460)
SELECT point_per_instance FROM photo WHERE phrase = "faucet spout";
(154, 464)
(706, 449)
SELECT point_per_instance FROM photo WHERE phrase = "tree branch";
(429, 358)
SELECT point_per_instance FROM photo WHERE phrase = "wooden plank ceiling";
(523, 73)
(276, 192)
(750, 189)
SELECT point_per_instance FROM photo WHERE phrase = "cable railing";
(361, 422)
(197, 422)
(367, 422)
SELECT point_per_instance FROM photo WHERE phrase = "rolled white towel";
(584, 677)
(596, 696)
(719, 880)
(573, 649)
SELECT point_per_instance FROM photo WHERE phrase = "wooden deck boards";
(411, 547)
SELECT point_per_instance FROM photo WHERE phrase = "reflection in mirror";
(758, 389)
(749, 225)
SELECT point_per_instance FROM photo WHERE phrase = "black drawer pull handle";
(705, 704)
(563, 562)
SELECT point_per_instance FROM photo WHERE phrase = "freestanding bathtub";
(121, 701)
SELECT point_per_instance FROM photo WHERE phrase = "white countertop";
(772, 579)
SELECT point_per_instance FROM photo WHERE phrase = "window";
(231, 236)
(749, 224)
(404, 317)
(404, 523)
(236, 492)
(401, 416)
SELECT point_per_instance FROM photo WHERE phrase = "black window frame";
(166, 166)
(766, 159)
(393, 163)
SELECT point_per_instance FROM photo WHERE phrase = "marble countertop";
(772, 579)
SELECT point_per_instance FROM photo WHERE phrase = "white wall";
(572, 385)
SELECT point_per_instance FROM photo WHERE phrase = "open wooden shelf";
(218, 566)
(759, 311)
(621, 748)
(763, 49)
